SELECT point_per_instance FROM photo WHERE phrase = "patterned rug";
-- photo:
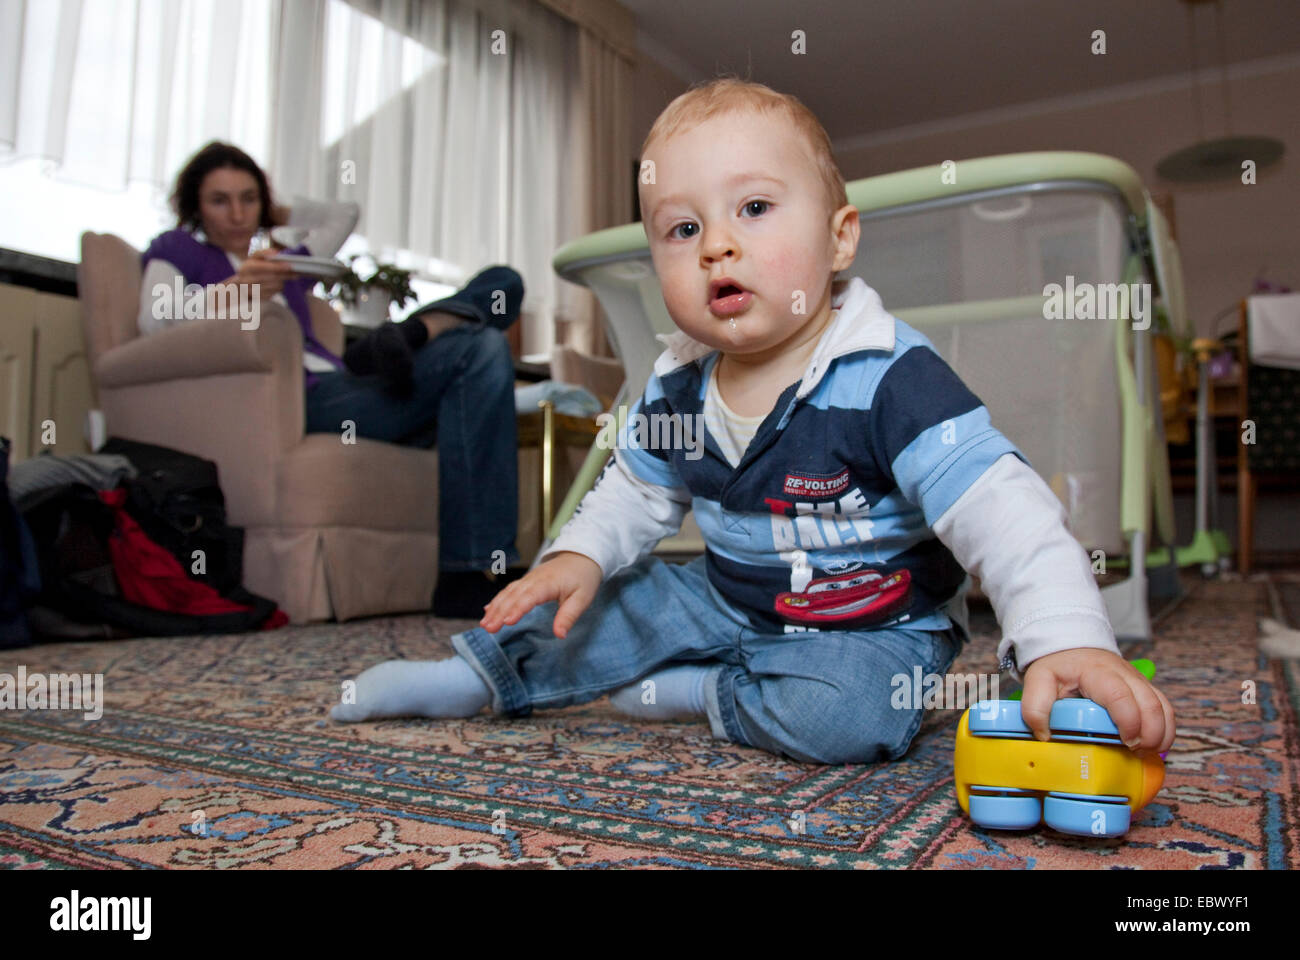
(216, 753)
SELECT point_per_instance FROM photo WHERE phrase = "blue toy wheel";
(1076, 715)
(1086, 818)
(1090, 797)
(1006, 813)
(998, 718)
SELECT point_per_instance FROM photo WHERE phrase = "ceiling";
(878, 65)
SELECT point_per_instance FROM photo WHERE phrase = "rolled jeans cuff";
(509, 698)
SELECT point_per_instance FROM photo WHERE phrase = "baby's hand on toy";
(1140, 711)
(570, 578)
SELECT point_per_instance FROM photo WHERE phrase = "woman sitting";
(445, 375)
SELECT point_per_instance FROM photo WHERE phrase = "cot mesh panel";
(1049, 385)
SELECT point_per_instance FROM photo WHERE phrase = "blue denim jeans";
(464, 402)
(818, 697)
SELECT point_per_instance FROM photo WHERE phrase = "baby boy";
(847, 482)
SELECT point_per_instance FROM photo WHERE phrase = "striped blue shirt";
(825, 523)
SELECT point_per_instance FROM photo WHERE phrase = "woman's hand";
(570, 578)
(1141, 712)
(262, 269)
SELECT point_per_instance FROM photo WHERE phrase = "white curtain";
(114, 91)
(446, 120)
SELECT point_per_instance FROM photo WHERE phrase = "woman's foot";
(388, 351)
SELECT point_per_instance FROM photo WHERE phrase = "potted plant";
(366, 302)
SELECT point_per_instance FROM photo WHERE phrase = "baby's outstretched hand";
(1140, 711)
(570, 578)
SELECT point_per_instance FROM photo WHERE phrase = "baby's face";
(738, 198)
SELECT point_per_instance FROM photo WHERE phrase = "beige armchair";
(332, 529)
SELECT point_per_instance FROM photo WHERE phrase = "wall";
(653, 88)
(1227, 233)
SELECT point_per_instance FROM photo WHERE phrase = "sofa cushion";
(382, 486)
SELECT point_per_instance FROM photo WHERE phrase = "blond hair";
(725, 95)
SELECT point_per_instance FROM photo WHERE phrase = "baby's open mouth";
(729, 298)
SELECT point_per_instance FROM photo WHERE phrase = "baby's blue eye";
(763, 206)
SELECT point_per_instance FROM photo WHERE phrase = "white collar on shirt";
(860, 323)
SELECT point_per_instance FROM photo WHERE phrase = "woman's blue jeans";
(464, 402)
(819, 697)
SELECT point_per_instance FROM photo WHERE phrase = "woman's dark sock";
(389, 352)
(464, 593)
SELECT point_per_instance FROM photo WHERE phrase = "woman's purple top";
(204, 263)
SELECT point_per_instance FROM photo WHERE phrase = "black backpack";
(178, 504)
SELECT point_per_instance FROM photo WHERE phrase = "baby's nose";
(717, 245)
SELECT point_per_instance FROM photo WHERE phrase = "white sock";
(416, 688)
(675, 692)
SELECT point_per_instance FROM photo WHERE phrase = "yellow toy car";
(1084, 781)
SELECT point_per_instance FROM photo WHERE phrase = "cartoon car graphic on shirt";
(858, 598)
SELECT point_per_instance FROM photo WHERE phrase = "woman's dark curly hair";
(215, 156)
